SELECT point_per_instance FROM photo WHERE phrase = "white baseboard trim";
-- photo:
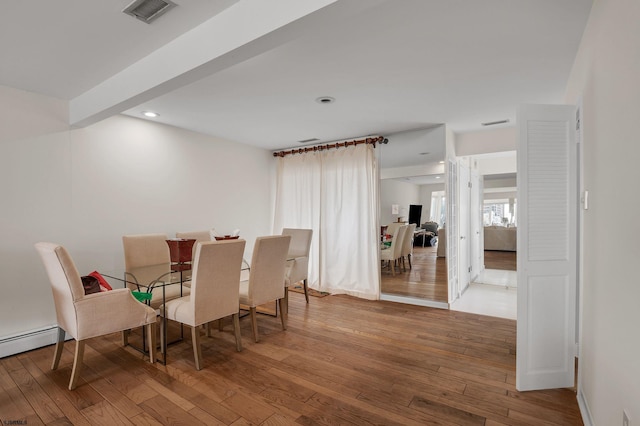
(584, 409)
(414, 301)
(28, 340)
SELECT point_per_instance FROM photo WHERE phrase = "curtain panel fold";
(335, 193)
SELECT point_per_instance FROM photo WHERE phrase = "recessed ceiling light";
(325, 100)
(438, 177)
(150, 114)
(440, 162)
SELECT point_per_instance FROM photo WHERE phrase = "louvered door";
(547, 201)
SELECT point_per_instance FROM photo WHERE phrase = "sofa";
(500, 238)
(427, 235)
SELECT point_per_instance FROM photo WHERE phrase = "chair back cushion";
(266, 277)
(144, 250)
(215, 283)
(66, 284)
(300, 241)
(199, 236)
(398, 241)
(407, 243)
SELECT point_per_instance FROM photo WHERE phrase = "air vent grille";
(493, 123)
(309, 140)
(148, 10)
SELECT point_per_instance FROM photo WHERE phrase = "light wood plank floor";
(427, 279)
(342, 361)
(505, 260)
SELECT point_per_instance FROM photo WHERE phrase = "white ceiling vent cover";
(148, 10)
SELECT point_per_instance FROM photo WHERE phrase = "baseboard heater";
(29, 340)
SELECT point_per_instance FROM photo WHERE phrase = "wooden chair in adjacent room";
(407, 245)
(394, 252)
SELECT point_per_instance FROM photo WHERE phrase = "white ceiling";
(392, 66)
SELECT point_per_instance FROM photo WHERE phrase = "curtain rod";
(369, 141)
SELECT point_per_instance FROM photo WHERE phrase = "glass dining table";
(155, 285)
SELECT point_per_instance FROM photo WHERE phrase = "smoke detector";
(148, 10)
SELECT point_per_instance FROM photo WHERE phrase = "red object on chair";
(103, 283)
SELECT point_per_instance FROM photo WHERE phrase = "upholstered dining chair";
(86, 316)
(214, 294)
(298, 264)
(394, 251)
(266, 277)
(393, 226)
(147, 250)
(407, 245)
(201, 236)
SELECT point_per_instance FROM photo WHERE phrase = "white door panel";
(463, 227)
(546, 247)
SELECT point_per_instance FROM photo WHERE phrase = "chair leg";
(59, 346)
(197, 350)
(286, 298)
(306, 290)
(220, 324)
(151, 332)
(125, 337)
(162, 343)
(207, 328)
(77, 364)
(409, 257)
(254, 323)
(283, 314)
(236, 331)
(393, 268)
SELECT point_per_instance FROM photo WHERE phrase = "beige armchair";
(214, 292)
(394, 252)
(298, 266)
(148, 250)
(266, 277)
(86, 316)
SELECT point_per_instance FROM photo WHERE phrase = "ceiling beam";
(244, 30)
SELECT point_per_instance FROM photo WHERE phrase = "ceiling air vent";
(148, 10)
(309, 140)
(493, 123)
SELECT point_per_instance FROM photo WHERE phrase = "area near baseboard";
(584, 409)
(414, 301)
(28, 340)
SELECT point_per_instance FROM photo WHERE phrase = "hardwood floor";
(342, 361)
(427, 279)
(505, 260)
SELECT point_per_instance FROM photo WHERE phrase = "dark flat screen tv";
(415, 213)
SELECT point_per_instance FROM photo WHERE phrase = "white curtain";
(335, 193)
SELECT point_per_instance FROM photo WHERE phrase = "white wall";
(486, 141)
(605, 75)
(397, 192)
(425, 198)
(85, 188)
